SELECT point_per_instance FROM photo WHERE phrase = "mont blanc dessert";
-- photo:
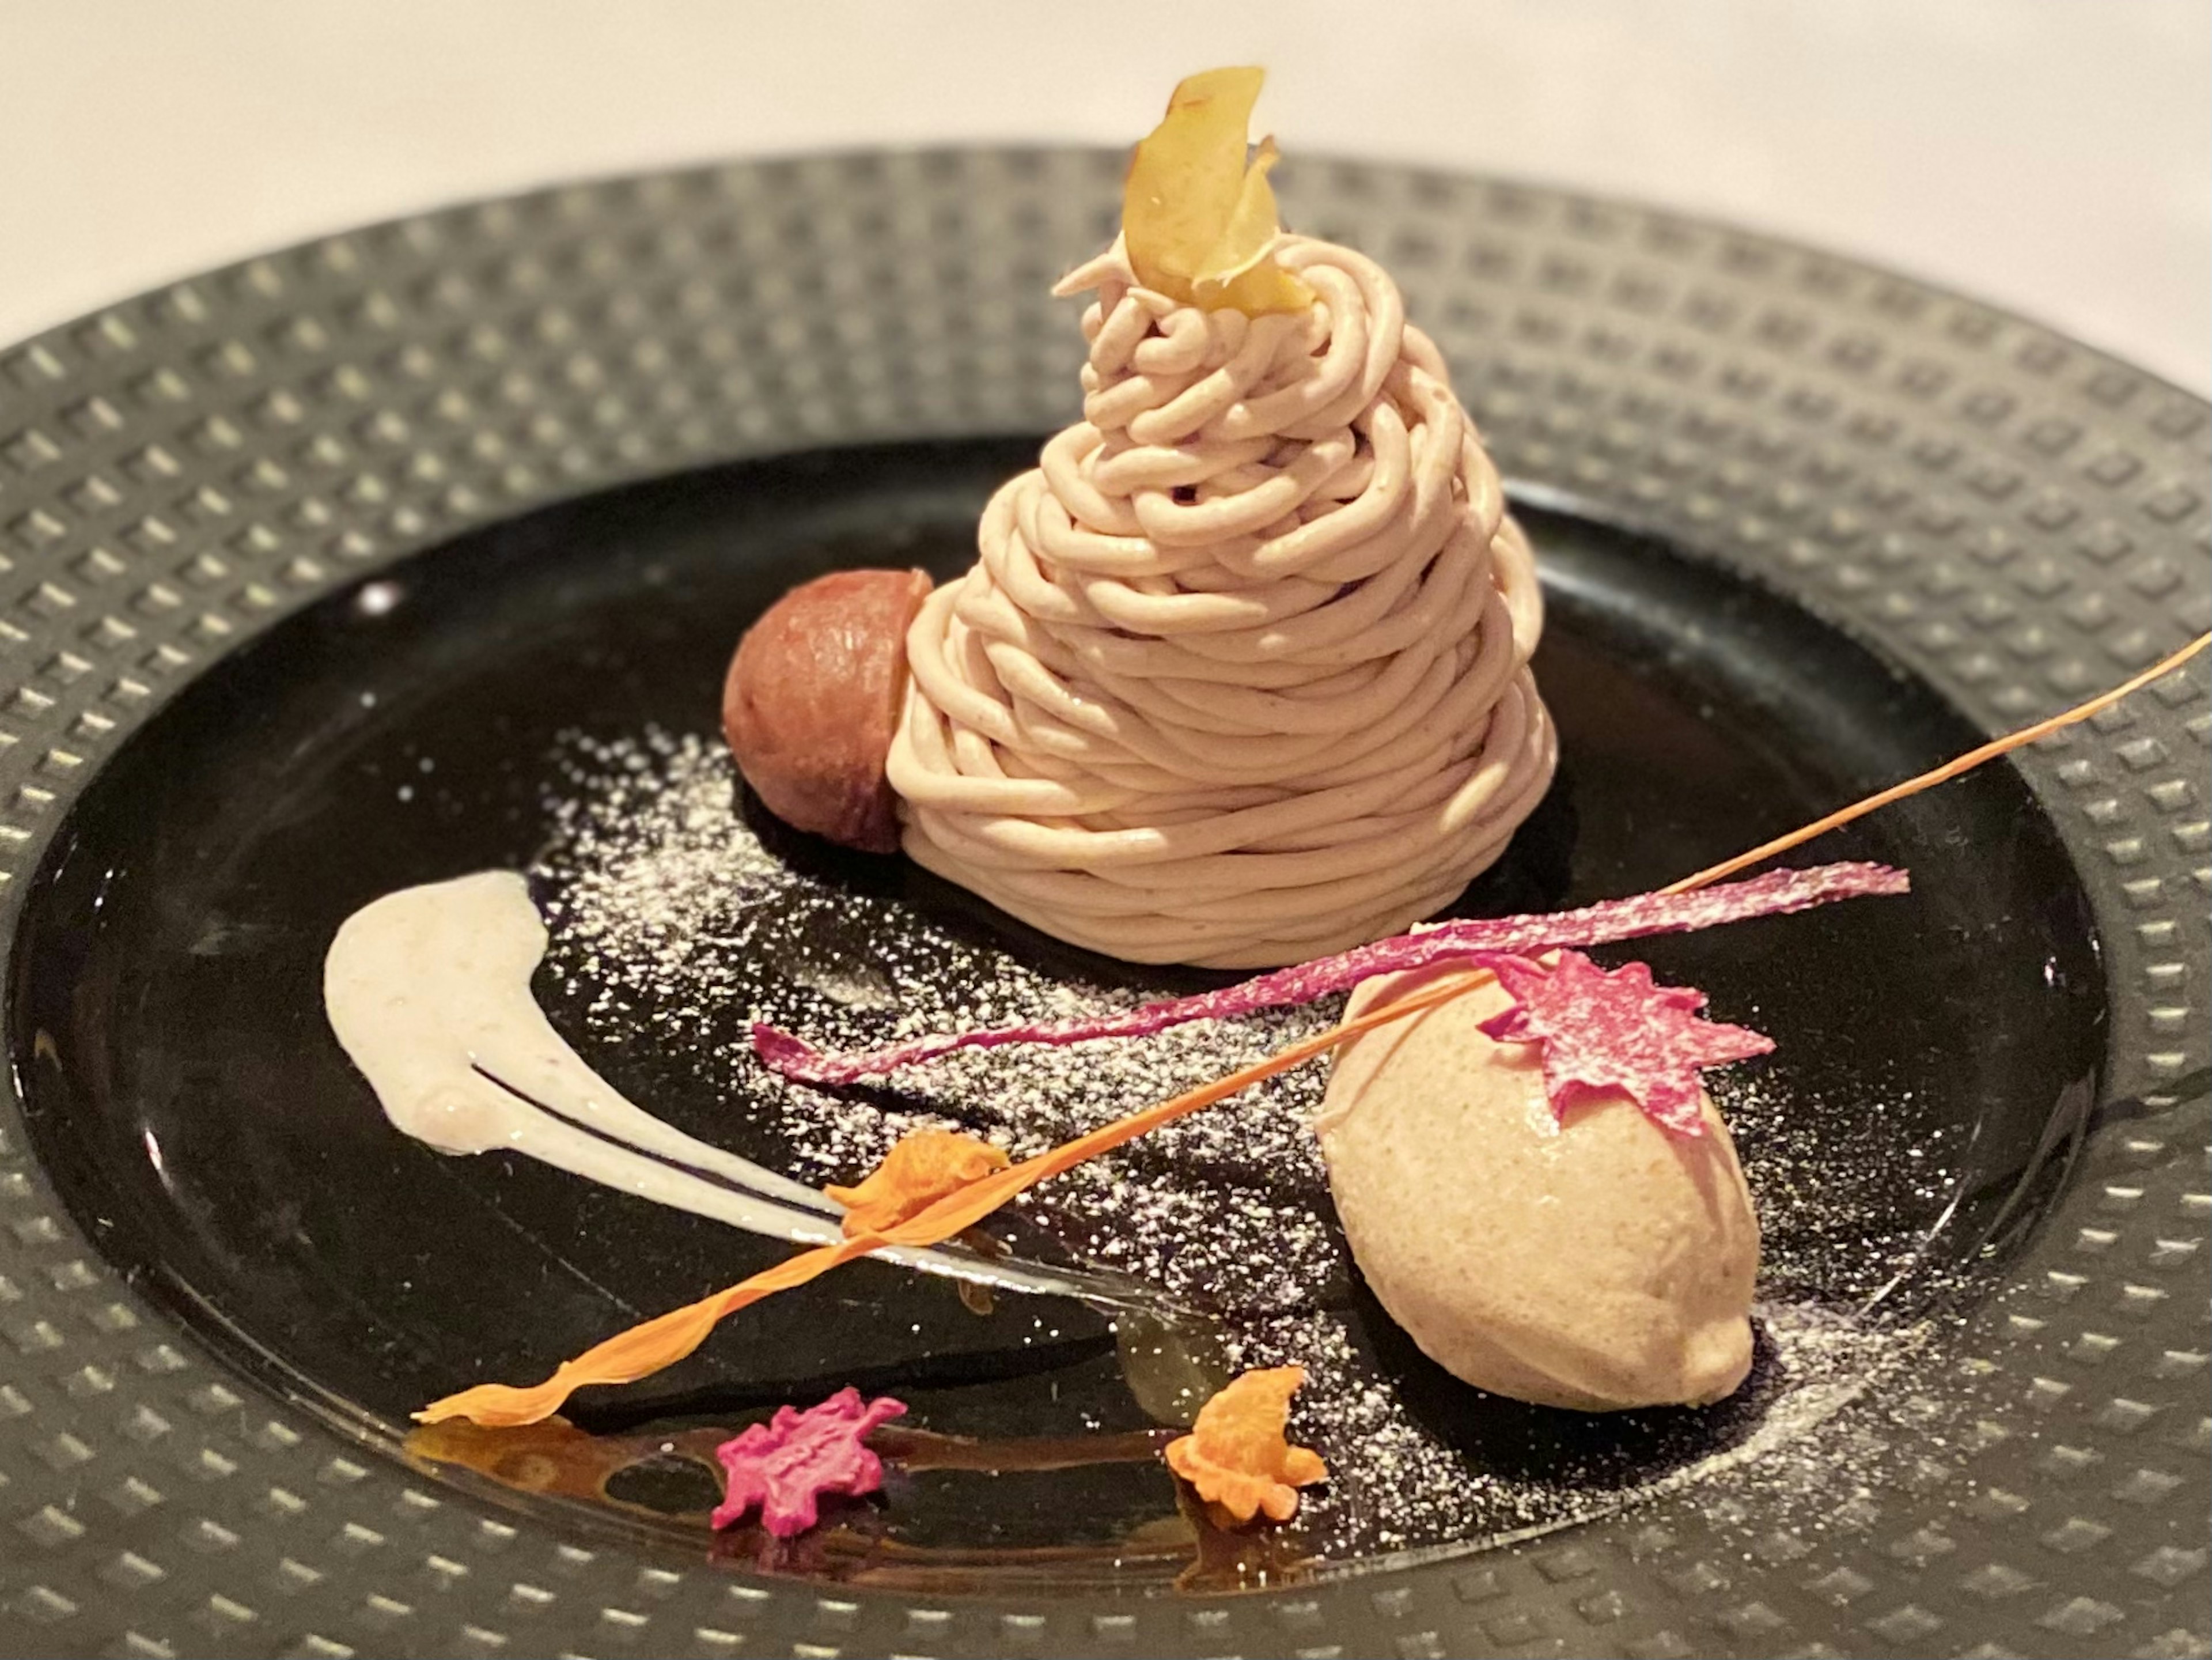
(1241, 676)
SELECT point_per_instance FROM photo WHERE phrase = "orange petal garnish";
(1235, 1454)
(1198, 222)
(924, 1167)
(659, 1342)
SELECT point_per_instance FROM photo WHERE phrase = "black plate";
(182, 1087)
(196, 1121)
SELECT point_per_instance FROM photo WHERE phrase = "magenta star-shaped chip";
(1619, 1030)
(786, 1464)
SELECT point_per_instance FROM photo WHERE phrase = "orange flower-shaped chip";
(1235, 1454)
(923, 1168)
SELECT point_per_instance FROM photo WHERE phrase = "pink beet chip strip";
(786, 1464)
(1773, 894)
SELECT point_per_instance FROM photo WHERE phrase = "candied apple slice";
(1198, 222)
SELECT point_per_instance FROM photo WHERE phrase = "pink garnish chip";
(1772, 894)
(786, 1464)
(1619, 1030)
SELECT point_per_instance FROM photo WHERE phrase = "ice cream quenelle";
(1241, 674)
(1592, 1260)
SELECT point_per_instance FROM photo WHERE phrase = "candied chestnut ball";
(814, 697)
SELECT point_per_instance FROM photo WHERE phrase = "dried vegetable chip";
(1236, 1455)
(1773, 894)
(784, 1466)
(920, 1169)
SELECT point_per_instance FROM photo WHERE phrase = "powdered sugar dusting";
(1402, 1485)
(664, 906)
(656, 883)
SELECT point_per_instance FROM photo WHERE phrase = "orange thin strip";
(665, 1340)
(642, 1350)
(645, 1349)
(1944, 774)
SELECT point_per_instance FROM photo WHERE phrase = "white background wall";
(2054, 155)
